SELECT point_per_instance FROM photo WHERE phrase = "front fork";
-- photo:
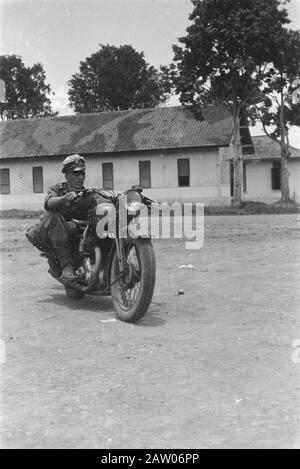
(120, 255)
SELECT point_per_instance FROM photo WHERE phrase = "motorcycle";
(109, 262)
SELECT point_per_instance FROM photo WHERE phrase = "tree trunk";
(285, 153)
(284, 175)
(237, 159)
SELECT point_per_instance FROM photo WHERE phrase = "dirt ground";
(213, 368)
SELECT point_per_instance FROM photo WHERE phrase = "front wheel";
(132, 291)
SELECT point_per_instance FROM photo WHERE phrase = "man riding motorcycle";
(56, 230)
(71, 235)
(62, 204)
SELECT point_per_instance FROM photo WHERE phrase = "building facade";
(171, 154)
(262, 172)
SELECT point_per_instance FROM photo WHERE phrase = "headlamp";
(132, 201)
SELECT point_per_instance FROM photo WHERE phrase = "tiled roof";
(118, 131)
(266, 148)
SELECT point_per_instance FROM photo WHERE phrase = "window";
(37, 178)
(145, 174)
(4, 181)
(183, 166)
(244, 177)
(108, 178)
(231, 177)
(275, 176)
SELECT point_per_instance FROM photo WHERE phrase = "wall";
(21, 186)
(294, 169)
(209, 176)
(259, 184)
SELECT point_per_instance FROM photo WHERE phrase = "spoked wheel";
(132, 291)
(88, 276)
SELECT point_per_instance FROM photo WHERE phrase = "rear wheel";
(132, 292)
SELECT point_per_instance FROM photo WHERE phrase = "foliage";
(228, 43)
(278, 112)
(26, 90)
(277, 88)
(223, 57)
(116, 78)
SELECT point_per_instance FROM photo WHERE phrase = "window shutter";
(275, 176)
(145, 174)
(5, 181)
(107, 173)
(183, 166)
(244, 177)
(37, 178)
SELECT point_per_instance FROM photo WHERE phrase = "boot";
(66, 262)
(54, 266)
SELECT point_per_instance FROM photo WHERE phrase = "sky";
(61, 33)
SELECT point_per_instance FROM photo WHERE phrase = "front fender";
(138, 227)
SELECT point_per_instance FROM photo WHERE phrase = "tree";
(278, 112)
(223, 58)
(115, 78)
(26, 90)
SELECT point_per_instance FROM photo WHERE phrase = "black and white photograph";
(149, 227)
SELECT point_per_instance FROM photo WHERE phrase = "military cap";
(73, 163)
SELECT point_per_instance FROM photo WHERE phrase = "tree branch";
(267, 133)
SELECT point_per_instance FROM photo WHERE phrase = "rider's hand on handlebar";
(70, 196)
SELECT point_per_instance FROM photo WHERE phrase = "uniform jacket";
(70, 209)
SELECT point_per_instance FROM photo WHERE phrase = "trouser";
(59, 233)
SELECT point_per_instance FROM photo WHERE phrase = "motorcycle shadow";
(87, 303)
(153, 317)
(103, 304)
